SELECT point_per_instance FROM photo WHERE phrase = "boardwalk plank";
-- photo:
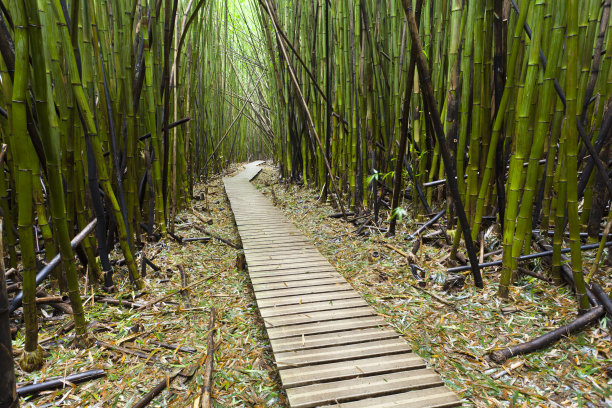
(325, 327)
(350, 336)
(439, 397)
(297, 277)
(279, 293)
(312, 307)
(346, 390)
(300, 358)
(298, 283)
(307, 298)
(299, 318)
(294, 377)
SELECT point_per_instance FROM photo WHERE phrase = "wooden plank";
(274, 241)
(268, 226)
(321, 316)
(296, 245)
(289, 265)
(294, 377)
(296, 248)
(298, 283)
(312, 307)
(296, 271)
(325, 327)
(278, 293)
(285, 260)
(301, 276)
(438, 397)
(347, 390)
(270, 234)
(350, 336)
(278, 248)
(300, 358)
(274, 244)
(282, 255)
(307, 298)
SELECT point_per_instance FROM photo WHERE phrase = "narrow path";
(330, 346)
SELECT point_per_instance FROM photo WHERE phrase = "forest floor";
(452, 330)
(244, 376)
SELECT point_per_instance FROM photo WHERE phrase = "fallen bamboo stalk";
(151, 264)
(177, 238)
(500, 356)
(534, 274)
(524, 257)
(196, 239)
(341, 215)
(116, 302)
(204, 231)
(218, 238)
(411, 257)
(50, 299)
(184, 282)
(137, 353)
(63, 306)
(175, 347)
(201, 217)
(44, 272)
(206, 396)
(166, 296)
(603, 298)
(426, 225)
(434, 296)
(60, 382)
(155, 391)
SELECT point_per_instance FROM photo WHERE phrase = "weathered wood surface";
(330, 346)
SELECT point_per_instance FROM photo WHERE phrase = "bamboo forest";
(315, 203)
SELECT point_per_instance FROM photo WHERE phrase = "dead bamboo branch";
(500, 356)
(171, 293)
(206, 396)
(137, 353)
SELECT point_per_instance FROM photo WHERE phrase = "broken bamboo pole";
(60, 382)
(500, 356)
(206, 396)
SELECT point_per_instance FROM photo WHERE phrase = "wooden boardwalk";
(330, 346)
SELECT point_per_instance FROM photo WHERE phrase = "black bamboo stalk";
(417, 186)
(397, 176)
(449, 167)
(61, 382)
(535, 255)
(603, 298)
(8, 394)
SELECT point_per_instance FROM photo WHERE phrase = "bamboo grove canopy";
(113, 109)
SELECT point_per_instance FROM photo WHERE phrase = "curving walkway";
(330, 346)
